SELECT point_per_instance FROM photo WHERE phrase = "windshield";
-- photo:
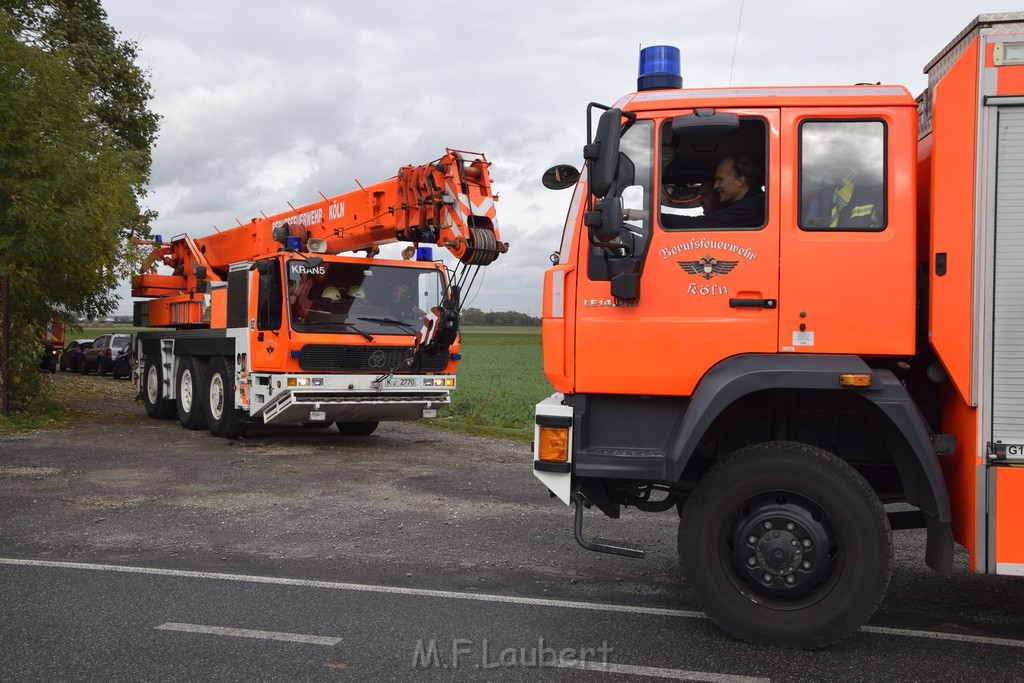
(361, 298)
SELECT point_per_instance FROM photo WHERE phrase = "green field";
(500, 379)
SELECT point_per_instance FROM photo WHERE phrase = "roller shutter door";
(1008, 304)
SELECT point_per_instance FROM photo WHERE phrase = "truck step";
(601, 545)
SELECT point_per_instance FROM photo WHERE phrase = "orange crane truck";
(51, 337)
(278, 322)
(835, 353)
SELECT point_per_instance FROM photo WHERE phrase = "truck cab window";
(713, 181)
(633, 190)
(634, 186)
(346, 298)
(842, 175)
(269, 303)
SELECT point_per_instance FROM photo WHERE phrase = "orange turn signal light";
(853, 380)
(553, 444)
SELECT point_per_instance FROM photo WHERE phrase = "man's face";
(730, 187)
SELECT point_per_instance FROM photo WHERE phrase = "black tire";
(804, 520)
(222, 418)
(357, 428)
(152, 383)
(190, 392)
(84, 367)
(101, 369)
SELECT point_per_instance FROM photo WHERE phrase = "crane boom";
(447, 202)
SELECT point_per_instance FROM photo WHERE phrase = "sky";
(265, 102)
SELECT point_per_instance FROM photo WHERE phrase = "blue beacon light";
(659, 68)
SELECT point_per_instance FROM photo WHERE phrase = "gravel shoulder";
(409, 505)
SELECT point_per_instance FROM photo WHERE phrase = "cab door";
(705, 293)
(848, 231)
(268, 347)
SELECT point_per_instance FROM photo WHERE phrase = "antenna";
(736, 42)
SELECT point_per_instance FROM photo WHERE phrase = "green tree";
(75, 156)
(473, 316)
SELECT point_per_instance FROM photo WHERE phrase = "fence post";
(5, 344)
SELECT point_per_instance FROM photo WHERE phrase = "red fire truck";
(835, 353)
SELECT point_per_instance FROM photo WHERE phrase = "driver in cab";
(738, 182)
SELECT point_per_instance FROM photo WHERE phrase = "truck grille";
(330, 357)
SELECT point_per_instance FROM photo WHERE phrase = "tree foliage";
(474, 316)
(75, 156)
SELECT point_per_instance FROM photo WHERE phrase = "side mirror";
(625, 278)
(626, 286)
(603, 153)
(560, 177)
(605, 220)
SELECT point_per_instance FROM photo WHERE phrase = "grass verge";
(500, 380)
(44, 413)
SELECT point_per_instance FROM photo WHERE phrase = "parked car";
(122, 366)
(71, 359)
(101, 356)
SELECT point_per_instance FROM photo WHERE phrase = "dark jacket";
(746, 213)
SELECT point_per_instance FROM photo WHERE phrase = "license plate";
(317, 416)
(400, 382)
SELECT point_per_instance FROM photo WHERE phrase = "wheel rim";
(217, 396)
(784, 550)
(186, 390)
(152, 385)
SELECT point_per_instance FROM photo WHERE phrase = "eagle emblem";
(707, 267)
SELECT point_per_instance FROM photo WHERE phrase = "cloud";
(265, 103)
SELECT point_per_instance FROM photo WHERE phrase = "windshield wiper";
(366, 335)
(390, 321)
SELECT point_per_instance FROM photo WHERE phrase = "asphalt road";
(134, 549)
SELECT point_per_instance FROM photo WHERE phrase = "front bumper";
(347, 398)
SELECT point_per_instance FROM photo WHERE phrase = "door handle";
(753, 303)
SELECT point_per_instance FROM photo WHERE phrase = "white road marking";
(361, 587)
(656, 672)
(481, 597)
(248, 633)
(938, 635)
